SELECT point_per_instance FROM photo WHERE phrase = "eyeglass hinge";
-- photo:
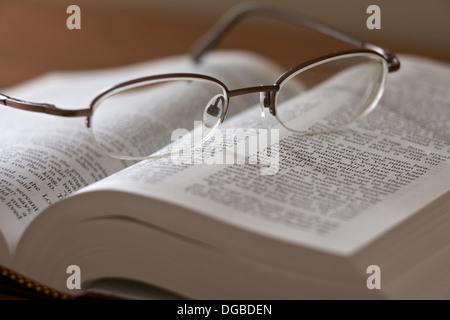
(3, 99)
(391, 59)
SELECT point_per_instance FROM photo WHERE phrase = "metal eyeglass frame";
(206, 43)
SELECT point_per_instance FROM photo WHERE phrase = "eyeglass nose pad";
(263, 102)
(213, 111)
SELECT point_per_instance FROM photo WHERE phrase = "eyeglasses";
(121, 117)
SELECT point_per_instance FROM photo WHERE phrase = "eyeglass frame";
(206, 43)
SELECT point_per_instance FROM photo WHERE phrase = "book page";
(44, 158)
(335, 191)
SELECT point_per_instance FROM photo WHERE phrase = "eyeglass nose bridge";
(266, 96)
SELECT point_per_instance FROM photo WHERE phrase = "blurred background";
(34, 38)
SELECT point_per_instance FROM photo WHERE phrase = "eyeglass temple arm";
(232, 17)
(41, 107)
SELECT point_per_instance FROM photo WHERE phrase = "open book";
(307, 220)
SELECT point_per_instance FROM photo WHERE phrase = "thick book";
(359, 213)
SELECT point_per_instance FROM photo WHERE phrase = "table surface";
(34, 40)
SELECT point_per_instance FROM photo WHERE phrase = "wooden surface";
(34, 38)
